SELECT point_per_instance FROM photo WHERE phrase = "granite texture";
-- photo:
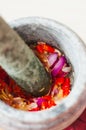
(62, 115)
(20, 62)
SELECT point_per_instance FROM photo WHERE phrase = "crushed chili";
(14, 96)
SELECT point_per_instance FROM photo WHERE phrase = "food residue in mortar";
(60, 69)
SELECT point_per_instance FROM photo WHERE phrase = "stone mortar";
(58, 117)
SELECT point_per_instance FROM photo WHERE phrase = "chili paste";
(55, 63)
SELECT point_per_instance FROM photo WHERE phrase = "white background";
(69, 12)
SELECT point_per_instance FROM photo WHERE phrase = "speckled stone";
(20, 62)
(62, 115)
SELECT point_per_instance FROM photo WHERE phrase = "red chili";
(44, 105)
(42, 47)
(2, 84)
(59, 81)
(48, 48)
(47, 97)
(39, 48)
(51, 103)
(47, 103)
(66, 87)
(66, 92)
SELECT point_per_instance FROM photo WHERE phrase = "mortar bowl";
(34, 29)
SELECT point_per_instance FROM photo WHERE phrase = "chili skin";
(15, 96)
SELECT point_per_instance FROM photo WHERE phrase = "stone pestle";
(20, 62)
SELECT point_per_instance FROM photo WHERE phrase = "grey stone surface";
(62, 115)
(20, 62)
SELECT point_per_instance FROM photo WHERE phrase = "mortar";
(34, 29)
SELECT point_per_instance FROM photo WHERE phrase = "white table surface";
(69, 12)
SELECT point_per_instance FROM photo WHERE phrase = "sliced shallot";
(58, 66)
(66, 69)
(52, 58)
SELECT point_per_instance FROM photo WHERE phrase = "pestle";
(20, 62)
